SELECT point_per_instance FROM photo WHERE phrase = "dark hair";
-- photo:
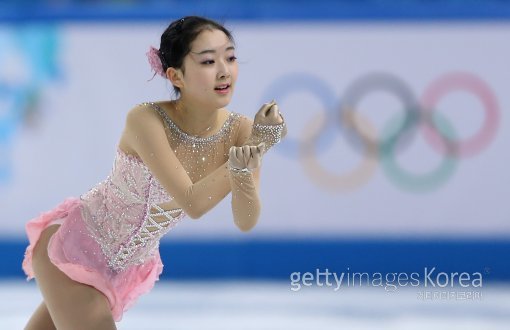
(178, 36)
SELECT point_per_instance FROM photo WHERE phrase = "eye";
(208, 62)
(232, 58)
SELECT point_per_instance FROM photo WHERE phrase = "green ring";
(419, 182)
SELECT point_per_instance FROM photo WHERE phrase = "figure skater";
(93, 256)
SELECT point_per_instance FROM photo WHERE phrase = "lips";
(222, 87)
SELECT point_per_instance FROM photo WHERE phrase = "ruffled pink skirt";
(79, 256)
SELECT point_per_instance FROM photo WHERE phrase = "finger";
(246, 149)
(239, 153)
(271, 109)
(233, 159)
(246, 153)
(253, 151)
(270, 113)
(275, 113)
(261, 147)
(233, 155)
(267, 107)
(257, 158)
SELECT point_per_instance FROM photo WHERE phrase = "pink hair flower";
(155, 62)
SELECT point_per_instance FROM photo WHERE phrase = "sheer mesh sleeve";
(193, 170)
(269, 134)
(246, 203)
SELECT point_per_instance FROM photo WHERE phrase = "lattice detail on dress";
(149, 233)
(123, 213)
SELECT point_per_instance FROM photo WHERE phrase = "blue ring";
(295, 82)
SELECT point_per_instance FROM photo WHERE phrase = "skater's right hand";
(246, 157)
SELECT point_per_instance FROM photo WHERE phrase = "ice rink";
(212, 305)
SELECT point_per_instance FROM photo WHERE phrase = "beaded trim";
(193, 138)
(269, 134)
(239, 170)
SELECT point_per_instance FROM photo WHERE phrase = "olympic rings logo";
(420, 116)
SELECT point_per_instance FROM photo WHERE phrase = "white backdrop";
(69, 145)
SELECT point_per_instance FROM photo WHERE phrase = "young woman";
(93, 256)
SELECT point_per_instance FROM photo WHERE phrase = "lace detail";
(123, 215)
(123, 212)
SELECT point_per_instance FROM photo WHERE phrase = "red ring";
(473, 84)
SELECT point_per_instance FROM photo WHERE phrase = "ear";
(175, 76)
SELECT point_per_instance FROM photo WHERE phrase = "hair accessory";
(155, 62)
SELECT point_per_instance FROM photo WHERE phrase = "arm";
(269, 128)
(146, 135)
(245, 185)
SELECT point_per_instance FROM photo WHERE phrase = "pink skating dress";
(109, 237)
(103, 240)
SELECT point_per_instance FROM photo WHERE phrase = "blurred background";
(396, 161)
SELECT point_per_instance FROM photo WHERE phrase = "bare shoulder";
(140, 118)
(140, 112)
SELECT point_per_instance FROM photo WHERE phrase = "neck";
(195, 119)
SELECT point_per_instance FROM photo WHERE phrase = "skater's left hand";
(268, 114)
(266, 118)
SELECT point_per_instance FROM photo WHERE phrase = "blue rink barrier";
(261, 10)
(264, 259)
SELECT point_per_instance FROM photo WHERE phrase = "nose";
(223, 70)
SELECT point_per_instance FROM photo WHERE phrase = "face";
(210, 65)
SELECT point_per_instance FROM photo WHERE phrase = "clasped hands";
(249, 156)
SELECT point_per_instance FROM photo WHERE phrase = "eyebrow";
(212, 50)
